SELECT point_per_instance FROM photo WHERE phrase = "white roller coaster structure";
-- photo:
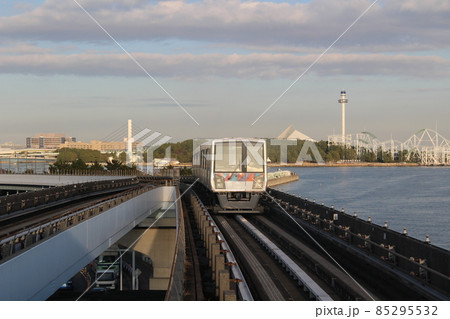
(427, 146)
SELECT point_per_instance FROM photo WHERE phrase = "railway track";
(267, 280)
(322, 270)
(221, 275)
(279, 266)
(307, 267)
(270, 279)
(266, 276)
(24, 220)
(21, 230)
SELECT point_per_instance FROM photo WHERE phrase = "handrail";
(24, 239)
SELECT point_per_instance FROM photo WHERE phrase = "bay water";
(417, 198)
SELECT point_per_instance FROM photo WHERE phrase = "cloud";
(393, 26)
(418, 6)
(113, 102)
(23, 6)
(256, 65)
(23, 48)
(285, 38)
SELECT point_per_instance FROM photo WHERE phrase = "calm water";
(417, 198)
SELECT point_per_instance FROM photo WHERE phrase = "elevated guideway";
(417, 270)
(36, 261)
(25, 182)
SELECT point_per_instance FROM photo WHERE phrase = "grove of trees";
(77, 159)
(182, 151)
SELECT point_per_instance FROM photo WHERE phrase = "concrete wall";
(39, 271)
(282, 180)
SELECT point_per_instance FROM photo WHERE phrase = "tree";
(123, 157)
(113, 165)
(380, 155)
(96, 167)
(368, 156)
(67, 155)
(59, 165)
(88, 156)
(79, 164)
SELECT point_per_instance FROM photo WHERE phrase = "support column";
(224, 283)
(211, 240)
(229, 295)
(220, 265)
(202, 221)
(215, 251)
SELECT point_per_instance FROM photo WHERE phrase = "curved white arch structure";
(427, 146)
(430, 146)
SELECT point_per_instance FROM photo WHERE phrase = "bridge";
(296, 250)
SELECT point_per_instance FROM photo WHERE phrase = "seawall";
(282, 180)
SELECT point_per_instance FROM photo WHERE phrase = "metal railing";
(75, 172)
(21, 201)
(23, 239)
(389, 246)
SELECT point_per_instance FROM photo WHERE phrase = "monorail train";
(234, 170)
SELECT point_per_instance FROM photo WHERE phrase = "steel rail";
(292, 268)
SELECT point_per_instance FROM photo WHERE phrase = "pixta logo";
(141, 148)
(228, 151)
(309, 148)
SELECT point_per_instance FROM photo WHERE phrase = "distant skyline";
(225, 62)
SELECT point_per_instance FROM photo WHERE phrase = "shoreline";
(363, 164)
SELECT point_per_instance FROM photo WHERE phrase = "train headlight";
(258, 182)
(219, 182)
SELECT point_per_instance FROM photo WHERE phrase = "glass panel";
(106, 277)
(255, 158)
(228, 157)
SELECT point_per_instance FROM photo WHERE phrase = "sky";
(191, 69)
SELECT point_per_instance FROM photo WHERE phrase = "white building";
(291, 133)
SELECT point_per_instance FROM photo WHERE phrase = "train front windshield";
(239, 157)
